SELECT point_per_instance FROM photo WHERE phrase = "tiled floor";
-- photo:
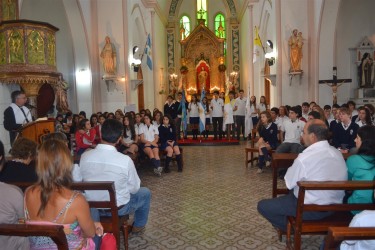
(211, 205)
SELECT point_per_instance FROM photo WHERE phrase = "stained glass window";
(202, 10)
(184, 27)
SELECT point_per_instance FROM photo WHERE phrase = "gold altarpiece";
(201, 51)
(27, 51)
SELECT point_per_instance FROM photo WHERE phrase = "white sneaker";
(259, 171)
(157, 172)
(160, 169)
(268, 163)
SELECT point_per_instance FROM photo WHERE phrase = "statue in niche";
(62, 104)
(295, 44)
(365, 71)
(16, 47)
(202, 78)
(109, 59)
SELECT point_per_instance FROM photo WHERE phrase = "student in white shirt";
(207, 113)
(149, 139)
(254, 110)
(217, 109)
(263, 106)
(239, 114)
(293, 129)
(193, 109)
(364, 117)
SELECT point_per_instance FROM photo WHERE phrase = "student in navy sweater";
(344, 132)
(267, 138)
(167, 137)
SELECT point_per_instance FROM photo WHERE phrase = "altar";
(202, 61)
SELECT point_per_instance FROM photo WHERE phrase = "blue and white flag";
(184, 113)
(202, 116)
(148, 52)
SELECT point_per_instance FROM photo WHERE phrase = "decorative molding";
(153, 4)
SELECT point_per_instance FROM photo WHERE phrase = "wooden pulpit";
(36, 129)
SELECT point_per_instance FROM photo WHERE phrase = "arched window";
(202, 10)
(184, 27)
(220, 26)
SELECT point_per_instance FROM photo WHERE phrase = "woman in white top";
(263, 106)
(193, 109)
(158, 118)
(130, 138)
(253, 110)
(150, 139)
(364, 117)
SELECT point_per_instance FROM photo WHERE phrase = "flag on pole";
(148, 51)
(184, 114)
(202, 116)
(248, 120)
(257, 45)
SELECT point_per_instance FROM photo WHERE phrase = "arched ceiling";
(174, 4)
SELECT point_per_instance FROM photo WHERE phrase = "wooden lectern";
(36, 129)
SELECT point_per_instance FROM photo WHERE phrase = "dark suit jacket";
(10, 124)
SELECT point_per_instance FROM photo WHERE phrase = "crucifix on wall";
(334, 84)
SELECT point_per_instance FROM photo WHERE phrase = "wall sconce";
(135, 49)
(270, 44)
(136, 64)
(270, 57)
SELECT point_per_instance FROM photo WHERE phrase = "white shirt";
(253, 111)
(293, 130)
(105, 163)
(240, 104)
(262, 107)
(318, 162)
(149, 132)
(194, 109)
(217, 106)
(305, 115)
(155, 123)
(360, 123)
(138, 128)
(365, 218)
(18, 114)
(128, 140)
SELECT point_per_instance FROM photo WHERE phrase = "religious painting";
(8, 10)
(3, 52)
(51, 49)
(35, 48)
(16, 46)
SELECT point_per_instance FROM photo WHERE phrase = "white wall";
(354, 22)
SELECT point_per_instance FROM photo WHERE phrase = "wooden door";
(141, 97)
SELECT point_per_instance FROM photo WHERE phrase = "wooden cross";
(334, 84)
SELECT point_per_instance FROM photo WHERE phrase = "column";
(279, 69)
(126, 51)
(251, 43)
(154, 71)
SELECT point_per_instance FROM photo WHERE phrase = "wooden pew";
(113, 224)
(55, 232)
(340, 218)
(338, 234)
(279, 161)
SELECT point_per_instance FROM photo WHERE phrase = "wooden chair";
(338, 234)
(340, 218)
(55, 232)
(113, 224)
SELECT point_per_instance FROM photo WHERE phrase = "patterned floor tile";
(210, 205)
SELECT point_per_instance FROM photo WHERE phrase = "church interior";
(104, 55)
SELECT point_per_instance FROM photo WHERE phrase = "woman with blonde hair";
(51, 201)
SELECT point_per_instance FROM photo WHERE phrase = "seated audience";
(51, 201)
(21, 168)
(314, 115)
(149, 139)
(85, 136)
(130, 138)
(364, 117)
(344, 133)
(167, 135)
(11, 210)
(318, 162)
(267, 138)
(361, 166)
(105, 163)
(293, 128)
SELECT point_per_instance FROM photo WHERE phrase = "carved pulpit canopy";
(28, 54)
(202, 53)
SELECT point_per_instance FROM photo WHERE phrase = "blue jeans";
(139, 204)
(277, 210)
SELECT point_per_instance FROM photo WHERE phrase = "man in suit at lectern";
(16, 114)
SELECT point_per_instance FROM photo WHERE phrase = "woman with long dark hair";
(361, 166)
(85, 136)
(130, 138)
